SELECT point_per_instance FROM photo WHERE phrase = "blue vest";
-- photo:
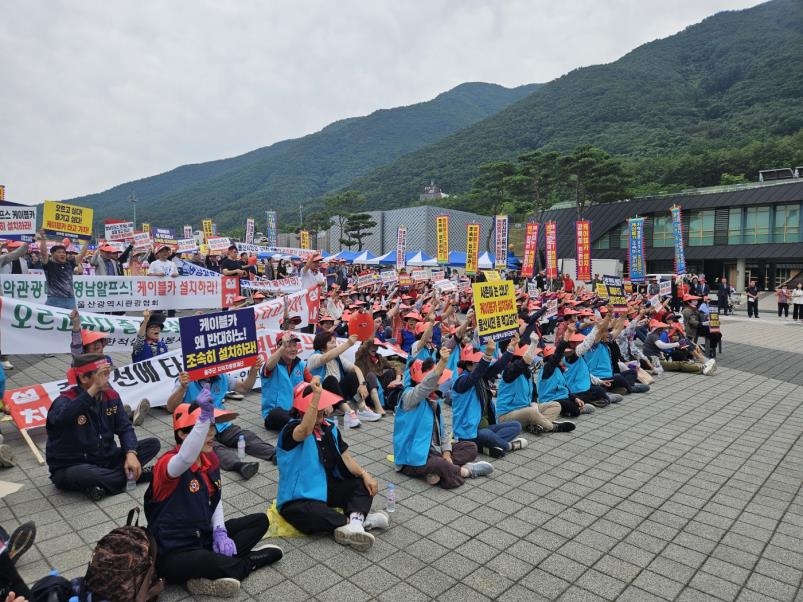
(146, 352)
(277, 389)
(598, 359)
(301, 473)
(577, 375)
(515, 395)
(407, 340)
(552, 388)
(466, 413)
(183, 521)
(412, 433)
(218, 388)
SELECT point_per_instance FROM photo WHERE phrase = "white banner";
(190, 269)
(444, 286)
(142, 240)
(282, 285)
(419, 275)
(119, 231)
(218, 245)
(31, 328)
(249, 230)
(551, 309)
(186, 245)
(389, 276)
(16, 219)
(129, 293)
(187, 231)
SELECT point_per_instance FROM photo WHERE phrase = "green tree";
(592, 176)
(491, 191)
(340, 206)
(358, 227)
(537, 182)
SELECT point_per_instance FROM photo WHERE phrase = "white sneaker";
(359, 540)
(710, 367)
(367, 415)
(376, 520)
(7, 365)
(142, 409)
(219, 588)
(479, 469)
(519, 443)
(350, 420)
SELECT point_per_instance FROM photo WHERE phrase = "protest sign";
(218, 245)
(472, 248)
(491, 275)
(419, 275)
(551, 250)
(16, 219)
(163, 236)
(500, 240)
(67, 221)
(530, 248)
(281, 285)
(532, 289)
(249, 230)
(444, 286)
(713, 322)
(583, 247)
(186, 245)
(119, 230)
(366, 280)
(141, 240)
(665, 288)
(401, 248)
(388, 276)
(304, 239)
(636, 262)
(272, 231)
(551, 309)
(437, 274)
(206, 225)
(615, 292)
(495, 309)
(442, 238)
(187, 231)
(217, 343)
(190, 269)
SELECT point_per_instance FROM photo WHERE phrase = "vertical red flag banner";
(442, 238)
(500, 262)
(551, 250)
(583, 239)
(401, 247)
(472, 248)
(530, 249)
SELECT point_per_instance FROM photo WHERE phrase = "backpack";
(123, 565)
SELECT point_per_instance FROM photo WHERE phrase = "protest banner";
(366, 280)
(551, 250)
(272, 231)
(713, 322)
(442, 238)
(119, 230)
(583, 246)
(500, 239)
(472, 248)
(405, 279)
(655, 300)
(615, 292)
(419, 275)
(601, 290)
(146, 228)
(67, 221)
(388, 276)
(437, 274)
(303, 236)
(665, 288)
(444, 286)
(677, 234)
(551, 309)
(492, 275)
(163, 236)
(188, 232)
(17, 219)
(141, 240)
(495, 309)
(218, 244)
(249, 230)
(530, 249)
(186, 245)
(464, 285)
(401, 248)
(281, 285)
(190, 269)
(636, 263)
(206, 226)
(532, 289)
(217, 343)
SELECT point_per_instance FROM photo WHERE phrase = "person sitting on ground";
(682, 352)
(196, 546)
(581, 382)
(516, 398)
(317, 473)
(81, 426)
(148, 342)
(473, 417)
(380, 376)
(551, 383)
(421, 446)
(227, 434)
(280, 374)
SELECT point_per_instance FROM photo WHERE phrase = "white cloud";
(99, 92)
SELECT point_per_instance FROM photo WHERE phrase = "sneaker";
(599, 403)
(21, 540)
(350, 420)
(367, 415)
(614, 398)
(6, 456)
(95, 493)
(479, 469)
(563, 427)
(494, 452)
(128, 411)
(710, 367)
(138, 417)
(264, 555)
(376, 520)
(587, 409)
(218, 588)
(518, 443)
(234, 395)
(640, 388)
(146, 476)
(7, 365)
(534, 429)
(619, 390)
(359, 540)
(248, 469)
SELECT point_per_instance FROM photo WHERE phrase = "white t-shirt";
(310, 279)
(162, 268)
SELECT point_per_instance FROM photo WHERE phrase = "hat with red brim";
(302, 396)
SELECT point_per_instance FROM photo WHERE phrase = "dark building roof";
(608, 216)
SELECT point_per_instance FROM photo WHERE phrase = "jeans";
(62, 302)
(498, 435)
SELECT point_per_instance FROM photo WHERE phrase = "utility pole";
(132, 198)
(301, 215)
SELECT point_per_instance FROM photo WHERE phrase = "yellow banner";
(206, 225)
(304, 234)
(472, 248)
(495, 309)
(442, 238)
(492, 275)
(146, 228)
(70, 221)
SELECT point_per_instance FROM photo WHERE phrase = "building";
(420, 223)
(742, 232)
(432, 192)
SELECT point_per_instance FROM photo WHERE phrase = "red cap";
(413, 315)
(549, 350)
(418, 375)
(302, 395)
(469, 354)
(90, 336)
(185, 417)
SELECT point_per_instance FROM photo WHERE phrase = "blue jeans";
(498, 435)
(62, 302)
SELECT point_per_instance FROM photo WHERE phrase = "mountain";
(284, 174)
(733, 80)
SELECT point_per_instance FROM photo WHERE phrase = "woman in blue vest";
(148, 343)
(581, 382)
(184, 507)
(280, 374)
(551, 382)
(317, 474)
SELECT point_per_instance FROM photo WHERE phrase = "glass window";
(624, 236)
(735, 227)
(757, 225)
(662, 231)
(603, 242)
(787, 223)
(701, 228)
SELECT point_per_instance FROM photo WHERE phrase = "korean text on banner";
(142, 240)
(472, 248)
(636, 264)
(583, 239)
(216, 343)
(218, 244)
(401, 247)
(665, 288)
(677, 233)
(713, 322)
(551, 250)
(187, 231)
(67, 221)
(16, 219)
(616, 292)
(186, 245)
(249, 230)
(206, 224)
(163, 236)
(119, 230)
(442, 237)
(495, 309)
(492, 275)
(530, 249)
(500, 231)
(271, 233)
(551, 309)
(304, 237)
(146, 228)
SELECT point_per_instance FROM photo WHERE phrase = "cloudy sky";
(99, 92)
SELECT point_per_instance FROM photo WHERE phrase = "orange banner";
(530, 249)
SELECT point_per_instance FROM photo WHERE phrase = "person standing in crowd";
(752, 299)
(162, 266)
(105, 262)
(196, 546)
(311, 275)
(82, 424)
(784, 295)
(317, 474)
(797, 303)
(723, 296)
(231, 264)
(13, 262)
(59, 271)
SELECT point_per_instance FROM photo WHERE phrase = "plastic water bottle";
(131, 482)
(241, 448)
(391, 498)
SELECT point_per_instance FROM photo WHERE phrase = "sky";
(96, 93)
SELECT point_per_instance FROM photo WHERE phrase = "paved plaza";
(689, 492)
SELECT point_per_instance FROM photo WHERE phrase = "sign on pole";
(442, 237)
(495, 309)
(67, 221)
(500, 261)
(217, 343)
(472, 248)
